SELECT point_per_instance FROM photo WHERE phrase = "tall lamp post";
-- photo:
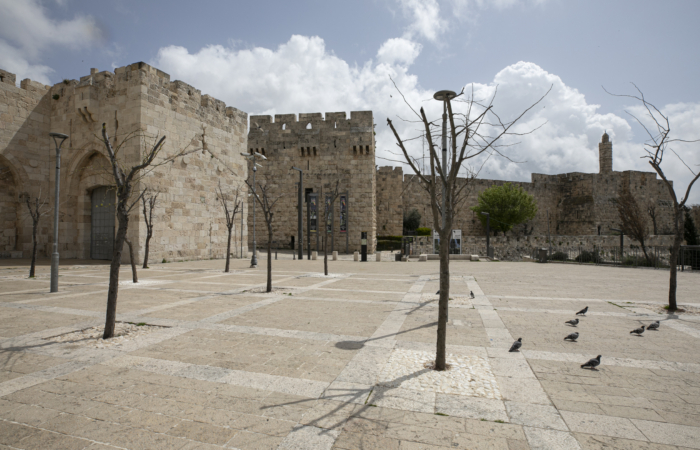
(443, 96)
(251, 157)
(58, 139)
(300, 222)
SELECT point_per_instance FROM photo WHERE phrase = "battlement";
(175, 95)
(360, 121)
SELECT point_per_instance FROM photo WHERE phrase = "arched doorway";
(102, 200)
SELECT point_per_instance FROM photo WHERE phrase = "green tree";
(507, 206)
(689, 232)
(411, 221)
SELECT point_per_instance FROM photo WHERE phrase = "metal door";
(102, 213)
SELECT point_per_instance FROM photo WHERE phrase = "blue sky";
(317, 56)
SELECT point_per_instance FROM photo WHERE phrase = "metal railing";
(655, 257)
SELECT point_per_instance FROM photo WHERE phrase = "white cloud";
(398, 51)
(425, 18)
(26, 31)
(302, 76)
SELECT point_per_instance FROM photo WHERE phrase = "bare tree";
(267, 200)
(124, 180)
(473, 133)
(132, 260)
(632, 221)
(656, 147)
(651, 210)
(225, 198)
(149, 200)
(332, 195)
(35, 212)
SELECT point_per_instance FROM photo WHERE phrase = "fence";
(655, 257)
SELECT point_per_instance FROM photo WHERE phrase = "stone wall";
(389, 203)
(138, 103)
(568, 204)
(328, 149)
(514, 248)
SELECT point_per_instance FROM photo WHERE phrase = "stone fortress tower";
(605, 154)
(327, 149)
(133, 99)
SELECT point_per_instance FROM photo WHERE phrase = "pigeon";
(654, 326)
(572, 337)
(573, 322)
(471, 294)
(438, 292)
(516, 345)
(638, 331)
(582, 312)
(592, 364)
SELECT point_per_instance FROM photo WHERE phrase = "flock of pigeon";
(595, 362)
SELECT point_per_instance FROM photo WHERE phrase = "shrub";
(389, 238)
(559, 256)
(423, 231)
(587, 257)
(384, 246)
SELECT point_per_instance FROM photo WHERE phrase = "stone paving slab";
(313, 370)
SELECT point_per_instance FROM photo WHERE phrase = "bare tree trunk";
(134, 276)
(675, 250)
(440, 359)
(269, 258)
(228, 248)
(325, 253)
(123, 220)
(32, 268)
(149, 235)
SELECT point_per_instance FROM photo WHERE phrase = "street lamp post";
(58, 139)
(254, 259)
(300, 222)
(443, 96)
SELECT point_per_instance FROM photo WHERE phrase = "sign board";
(343, 214)
(329, 215)
(313, 212)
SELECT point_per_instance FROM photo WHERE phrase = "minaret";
(605, 154)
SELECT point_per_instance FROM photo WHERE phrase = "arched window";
(284, 126)
(308, 126)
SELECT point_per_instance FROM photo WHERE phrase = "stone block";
(335, 256)
(475, 257)
(423, 257)
(314, 256)
(379, 256)
(356, 256)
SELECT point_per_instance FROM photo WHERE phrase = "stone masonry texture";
(138, 103)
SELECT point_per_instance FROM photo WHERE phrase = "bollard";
(335, 256)
(356, 256)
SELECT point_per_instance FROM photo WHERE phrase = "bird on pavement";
(638, 331)
(572, 322)
(471, 294)
(582, 312)
(654, 326)
(572, 337)
(438, 292)
(592, 363)
(516, 345)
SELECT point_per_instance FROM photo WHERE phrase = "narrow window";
(284, 126)
(354, 149)
(308, 126)
(314, 151)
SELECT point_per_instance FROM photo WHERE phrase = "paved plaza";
(339, 362)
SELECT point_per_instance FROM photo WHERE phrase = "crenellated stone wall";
(569, 204)
(328, 149)
(138, 103)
